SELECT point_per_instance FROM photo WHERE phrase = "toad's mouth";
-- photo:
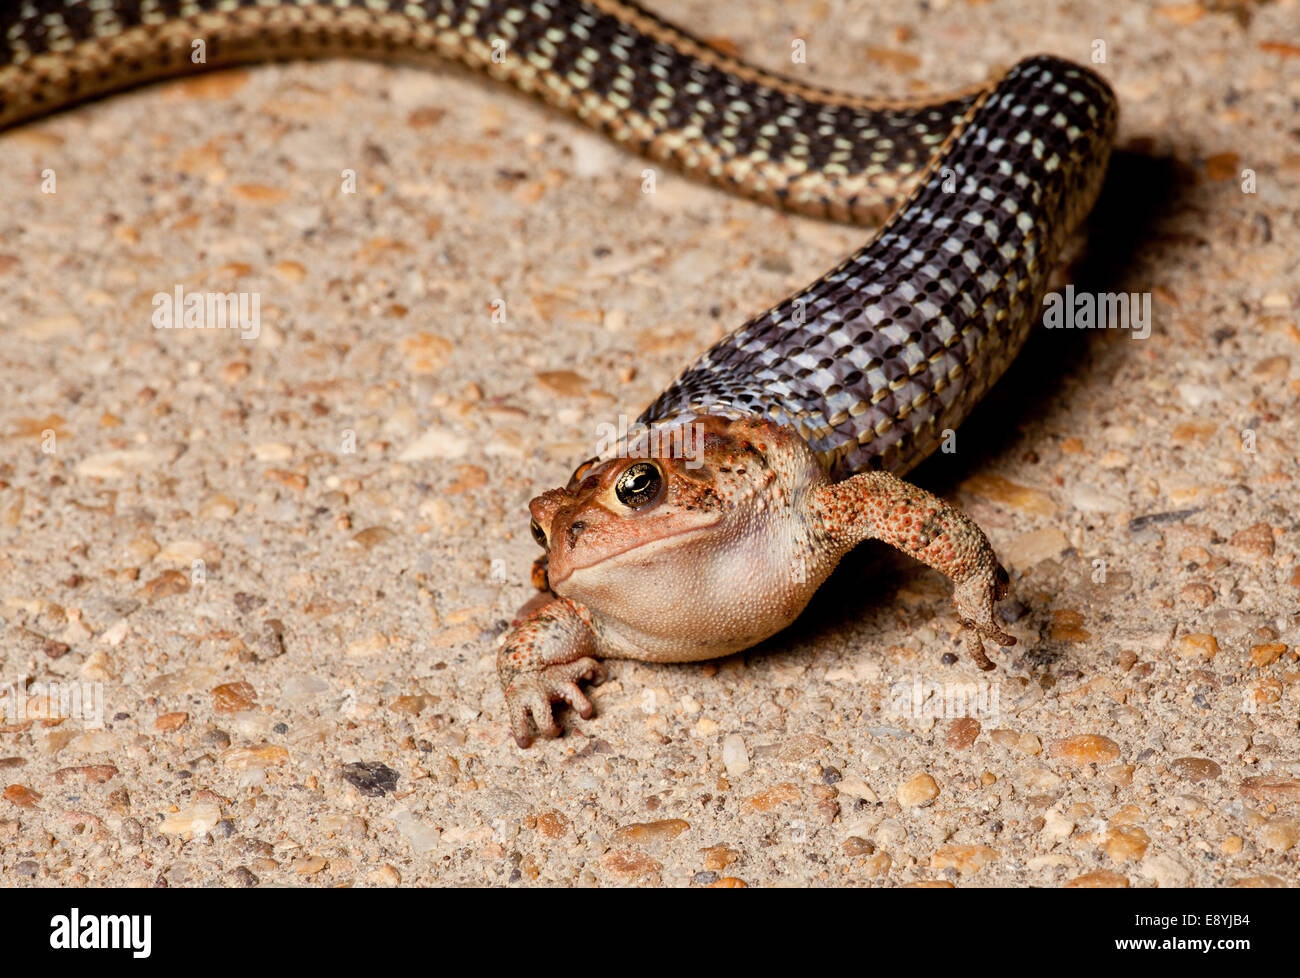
(658, 540)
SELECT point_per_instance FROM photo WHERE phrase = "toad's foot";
(547, 654)
(975, 598)
(532, 694)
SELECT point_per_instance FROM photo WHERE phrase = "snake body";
(872, 362)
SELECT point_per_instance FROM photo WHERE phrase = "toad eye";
(638, 485)
(538, 534)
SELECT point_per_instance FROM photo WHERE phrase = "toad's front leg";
(881, 506)
(547, 652)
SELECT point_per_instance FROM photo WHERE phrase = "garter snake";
(873, 361)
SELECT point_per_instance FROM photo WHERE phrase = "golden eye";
(538, 534)
(638, 485)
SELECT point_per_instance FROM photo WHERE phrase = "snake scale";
(870, 365)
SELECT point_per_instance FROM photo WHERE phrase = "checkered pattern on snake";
(870, 363)
(877, 358)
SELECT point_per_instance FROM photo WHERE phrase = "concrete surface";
(346, 604)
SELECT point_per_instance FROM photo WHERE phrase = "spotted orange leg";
(881, 506)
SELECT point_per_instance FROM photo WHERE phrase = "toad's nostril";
(572, 533)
